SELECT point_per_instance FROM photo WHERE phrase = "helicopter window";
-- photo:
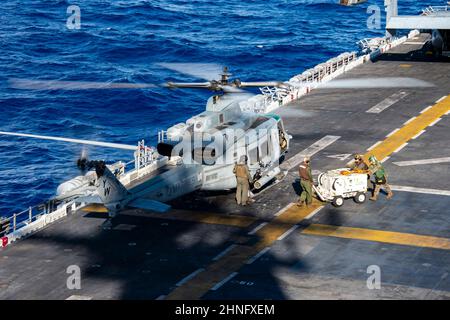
(221, 118)
(253, 155)
(264, 149)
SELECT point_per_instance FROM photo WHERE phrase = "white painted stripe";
(312, 214)
(421, 190)
(258, 255)
(258, 227)
(392, 132)
(447, 113)
(189, 277)
(287, 233)
(418, 135)
(420, 162)
(434, 122)
(401, 147)
(224, 252)
(161, 297)
(410, 120)
(386, 103)
(221, 283)
(376, 144)
(441, 99)
(284, 209)
(78, 297)
(385, 159)
(310, 151)
(429, 107)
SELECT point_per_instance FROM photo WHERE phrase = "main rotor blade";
(205, 71)
(367, 83)
(262, 84)
(370, 83)
(86, 142)
(26, 84)
(195, 85)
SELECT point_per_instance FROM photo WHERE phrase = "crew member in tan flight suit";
(243, 180)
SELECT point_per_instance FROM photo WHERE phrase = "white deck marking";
(78, 297)
(284, 209)
(410, 120)
(427, 108)
(189, 277)
(421, 190)
(401, 147)
(418, 135)
(375, 145)
(385, 159)
(312, 214)
(258, 227)
(310, 151)
(392, 132)
(441, 99)
(124, 227)
(221, 283)
(386, 103)
(342, 156)
(420, 162)
(224, 252)
(287, 233)
(435, 121)
(258, 255)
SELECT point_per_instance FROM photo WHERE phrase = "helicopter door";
(274, 145)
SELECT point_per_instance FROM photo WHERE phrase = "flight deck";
(207, 247)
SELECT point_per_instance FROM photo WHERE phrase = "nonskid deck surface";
(210, 248)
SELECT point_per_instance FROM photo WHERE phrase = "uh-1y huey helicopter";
(196, 155)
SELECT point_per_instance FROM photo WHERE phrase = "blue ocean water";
(122, 41)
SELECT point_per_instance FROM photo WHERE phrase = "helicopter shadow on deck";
(142, 262)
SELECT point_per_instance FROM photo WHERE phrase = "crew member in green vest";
(306, 181)
(379, 173)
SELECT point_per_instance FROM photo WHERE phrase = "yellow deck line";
(200, 217)
(409, 130)
(94, 207)
(235, 259)
(407, 239)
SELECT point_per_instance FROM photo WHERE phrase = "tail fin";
(109, 188)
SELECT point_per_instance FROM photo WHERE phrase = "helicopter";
(199, 154)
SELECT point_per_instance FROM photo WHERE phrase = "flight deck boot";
(376, 191)
(390, 195)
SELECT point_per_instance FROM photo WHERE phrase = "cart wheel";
(338, 201)
(360, 197)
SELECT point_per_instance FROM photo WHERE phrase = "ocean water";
(123, 41)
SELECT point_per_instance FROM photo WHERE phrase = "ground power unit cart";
(336, 185)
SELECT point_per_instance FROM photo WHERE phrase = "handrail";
(25, 217)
